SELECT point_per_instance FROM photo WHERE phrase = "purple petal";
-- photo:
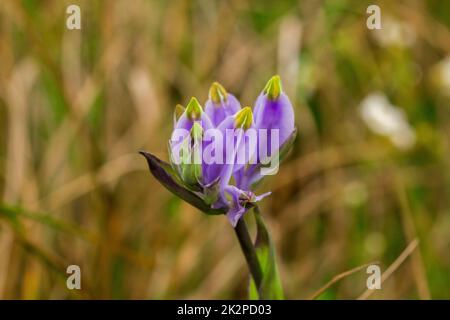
(274, 114)
(236, 210)
(239, 203)
(217, 112)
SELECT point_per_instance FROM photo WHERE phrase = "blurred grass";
(75, 106)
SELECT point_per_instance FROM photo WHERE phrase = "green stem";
(249, 251)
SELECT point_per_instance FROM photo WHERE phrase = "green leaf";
(166, 175)
(270, 288)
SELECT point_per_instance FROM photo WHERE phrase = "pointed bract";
(194, 109)
(217, 93)
(273, 88)
(178, 112)
(244, 118)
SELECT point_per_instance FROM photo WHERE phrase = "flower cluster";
(220, 152)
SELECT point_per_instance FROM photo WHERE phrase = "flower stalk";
(249, 251)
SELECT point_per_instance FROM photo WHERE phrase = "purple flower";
(218, 155)
(240, 202)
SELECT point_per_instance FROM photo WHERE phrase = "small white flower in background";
(386, 119)
(395, 33)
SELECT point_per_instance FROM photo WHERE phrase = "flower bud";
(239, 145)
(186, 141)
(185, 118)
(220, 104)
(273, 110)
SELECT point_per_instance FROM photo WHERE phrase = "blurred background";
(369, 173)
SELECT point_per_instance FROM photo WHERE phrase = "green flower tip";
(179, 110)
(196, 132)
(273, 87)
(217, 93)
(244, 118)
(194, 109)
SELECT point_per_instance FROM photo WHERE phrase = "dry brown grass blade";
(394, 266)
(337, 278)
(111, 171)
(327, 159)
(18, 87)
